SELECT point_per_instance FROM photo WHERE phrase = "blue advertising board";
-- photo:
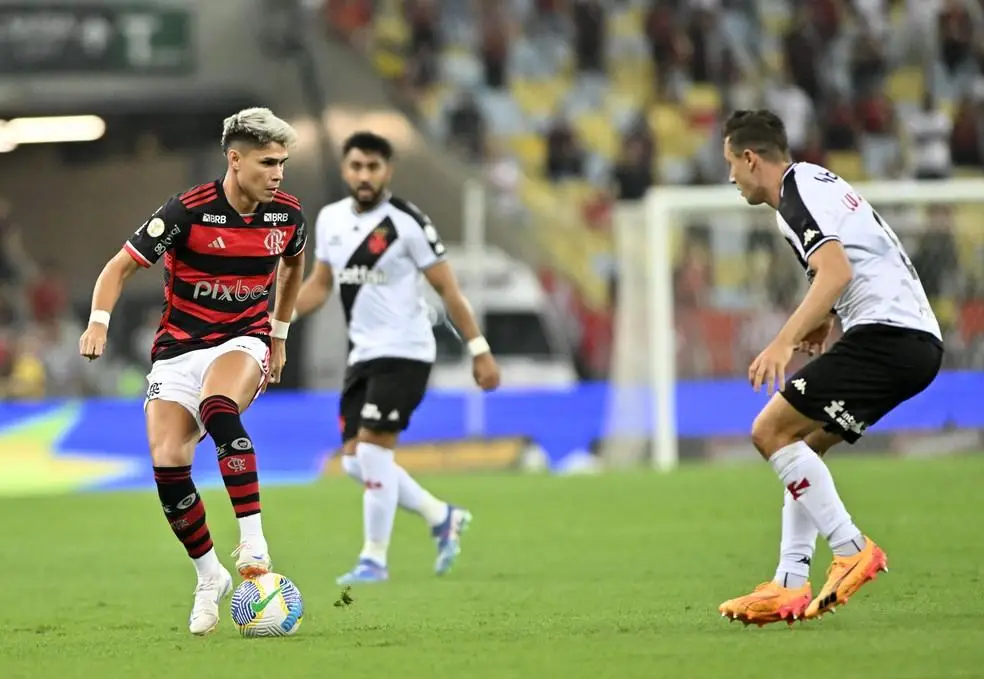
(52, 446)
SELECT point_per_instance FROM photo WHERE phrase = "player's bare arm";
(316, 289)
(832, 273)
(105, 294)
(290, 274)
(442, 279)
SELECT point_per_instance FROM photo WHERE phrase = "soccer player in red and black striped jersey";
(222, 243)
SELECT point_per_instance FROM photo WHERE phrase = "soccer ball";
(267, 606)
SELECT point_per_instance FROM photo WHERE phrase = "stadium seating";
(681, 117)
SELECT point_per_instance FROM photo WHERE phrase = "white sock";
(207, 564)
(413, 497)
(799, 540)
(810, 484)
(379, 500)
(352, 468)
(251, 530)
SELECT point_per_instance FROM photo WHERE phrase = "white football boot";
(211, 590)
(253, 559)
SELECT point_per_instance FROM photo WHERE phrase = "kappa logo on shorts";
(799, 385)
(394, 416)
(845, 419)
(154, 390)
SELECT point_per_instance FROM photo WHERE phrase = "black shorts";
(863, 376)
(381, 395)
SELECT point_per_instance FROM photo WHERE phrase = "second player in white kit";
(373, 249)
(891, 350)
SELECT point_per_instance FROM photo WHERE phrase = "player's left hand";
(814, 342)
(278, 357)
(486, 372)
(769, 367)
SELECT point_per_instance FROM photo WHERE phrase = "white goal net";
(705, 282)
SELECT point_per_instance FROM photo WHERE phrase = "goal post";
(693, 280)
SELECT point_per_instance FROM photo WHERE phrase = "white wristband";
(478, 346)
(278, 329)
(100, 317)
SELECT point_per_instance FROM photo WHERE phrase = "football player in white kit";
(891, 350)
(373, 248)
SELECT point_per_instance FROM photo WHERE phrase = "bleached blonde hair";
(258, 127)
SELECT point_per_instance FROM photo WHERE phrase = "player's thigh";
(395, 390)
(173, 389)
(237, 369)
(350, 406)
(172, 433)
(808, 404)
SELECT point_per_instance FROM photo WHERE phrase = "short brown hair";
(761, 131)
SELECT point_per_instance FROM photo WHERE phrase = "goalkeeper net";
(704, 284)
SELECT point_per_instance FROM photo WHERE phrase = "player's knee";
(768, 436)
(170, 451)
(378, 437)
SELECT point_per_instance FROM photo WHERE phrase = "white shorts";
(179, 379)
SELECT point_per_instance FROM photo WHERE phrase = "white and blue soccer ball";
(267, 606)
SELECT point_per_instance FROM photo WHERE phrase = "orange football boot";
(770, 602)
(845, 576)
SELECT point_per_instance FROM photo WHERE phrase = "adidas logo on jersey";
(361, 275)
(218, 243)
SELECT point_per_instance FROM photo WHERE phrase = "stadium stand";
(574, 104)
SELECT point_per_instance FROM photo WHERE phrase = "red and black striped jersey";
(219, 265)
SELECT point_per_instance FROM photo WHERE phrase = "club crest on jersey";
(378, 240)
(275, 241)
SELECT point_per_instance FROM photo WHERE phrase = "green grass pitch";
(611, 576)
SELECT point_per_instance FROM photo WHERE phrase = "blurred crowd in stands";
(38, 351)
(586, 102)
(41, 319)
(572, 105)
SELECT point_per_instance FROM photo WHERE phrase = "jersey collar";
(782, 180)
(228, 206)
(383, 200)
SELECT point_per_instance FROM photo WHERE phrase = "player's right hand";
(486, 372)
(93, 341)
